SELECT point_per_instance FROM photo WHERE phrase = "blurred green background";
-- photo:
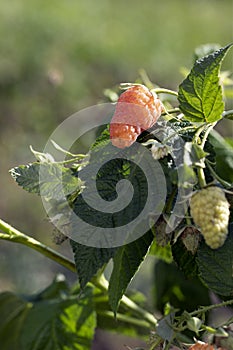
(57, 57)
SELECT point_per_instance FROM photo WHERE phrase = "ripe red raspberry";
(137, 109)
(201, 346)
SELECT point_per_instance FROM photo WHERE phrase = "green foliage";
(56, 320)
(172, 286)
(66, 319)
(185, 259)
(89, 260)
(126, 263)
(13, 312)
(224, 156)
(27, 176)
(50, 180)
(200, 94)
(215, 266)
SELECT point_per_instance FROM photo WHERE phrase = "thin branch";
(13, 235)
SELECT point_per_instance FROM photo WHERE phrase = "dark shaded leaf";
(224, 156)
(171, 286)
(89, 260)
(13, 311)
(126, 263)
(184, 259)
(216, 266)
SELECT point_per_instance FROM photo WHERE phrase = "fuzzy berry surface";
(201, 346)
(210, 212)
(137, 110)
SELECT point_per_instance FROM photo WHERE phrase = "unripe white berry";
(210, 212)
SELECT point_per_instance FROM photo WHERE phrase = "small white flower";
(159, 150)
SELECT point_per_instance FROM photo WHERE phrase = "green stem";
(101, 282)
(198, 133)
(206, 128)
(211, 307)
(177, 132)
(145, 79)
(215, 175)
(228, 114)
(201, 177)
(165, 91)
(124, 318)
(11, 234)
(125, 301)
(171, 111)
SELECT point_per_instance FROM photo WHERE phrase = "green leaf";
(126, 322)
(161, 252)
(184, 174)
(184, 259)
(216, 266)
(53, 319)
(108, 176)
(60, 324)
(161, 247)
(50, 180)
(13, 311)
(224, 156)
(55, 289)
(89, 260)
(171, 286)
(63, 321)
(164, 328)
(27, 176)
(104, 206)
(126, 263)
(102, 140)
(200, 94)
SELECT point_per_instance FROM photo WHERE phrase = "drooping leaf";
(200, 94)
(50, 180)
(62, 321)
(224, 156)
(216, 266)
(126, 263)
(59, 324)
(13, 310)
(89, 260)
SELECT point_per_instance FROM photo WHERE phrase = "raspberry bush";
(192, 245)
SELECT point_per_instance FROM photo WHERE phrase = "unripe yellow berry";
(210, 212)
